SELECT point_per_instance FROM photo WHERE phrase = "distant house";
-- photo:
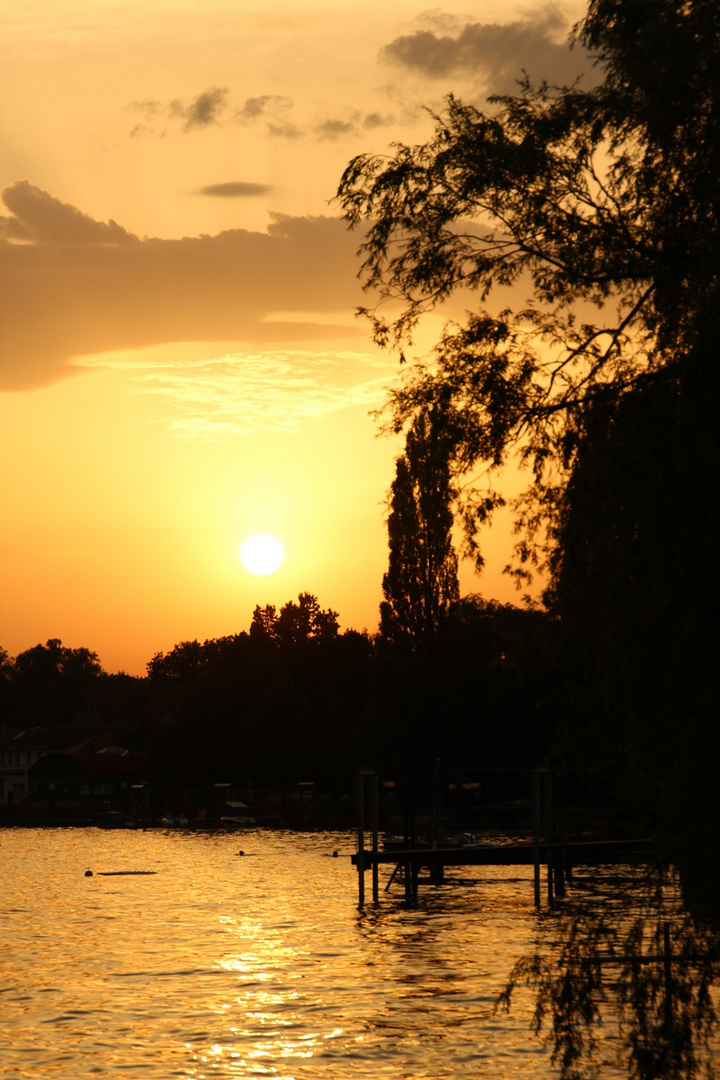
(21, 748)
(104, 776)
(79, 758)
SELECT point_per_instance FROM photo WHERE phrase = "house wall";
(14, 765)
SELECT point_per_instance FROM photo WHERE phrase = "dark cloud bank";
(73, 286)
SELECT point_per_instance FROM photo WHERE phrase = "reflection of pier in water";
(559, 855)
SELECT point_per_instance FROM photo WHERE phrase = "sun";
(261, 554)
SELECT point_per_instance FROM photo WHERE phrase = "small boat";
(235, 821)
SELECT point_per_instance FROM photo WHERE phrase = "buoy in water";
(88, 873)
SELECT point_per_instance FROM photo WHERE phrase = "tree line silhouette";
(293, 697)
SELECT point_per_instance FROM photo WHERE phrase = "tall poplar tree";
(421, 581)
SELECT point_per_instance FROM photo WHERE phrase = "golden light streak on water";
(223, 967)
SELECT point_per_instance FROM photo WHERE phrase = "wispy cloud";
(213, 108)
(352, 123)
(272, 113)
(241, 394)
(204, 110)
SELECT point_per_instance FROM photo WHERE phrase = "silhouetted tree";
(504, 680)
(277, 704)
(55, 659)
(182, 662)
(295, 624)
(305, 621)
(638, 598)
(48, 682)
(421, 581)
(262, 625)
(6, 672)
(603, 203)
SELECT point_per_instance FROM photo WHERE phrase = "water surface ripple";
(220, 965)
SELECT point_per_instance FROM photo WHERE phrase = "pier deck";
(573, 853)
(560, 858)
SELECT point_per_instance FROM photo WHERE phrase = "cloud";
(40, 218)
(263, 107)
(212, 108)
(270, 112)
(75, 287)
(354, 123)
(336, 128)
(234, 189)
(242, 393)
(205, 110)
(376, 120)
(496, 54)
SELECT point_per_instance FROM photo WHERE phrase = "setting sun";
(180, 362)
(261, 554)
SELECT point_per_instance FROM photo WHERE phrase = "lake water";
(220, 965)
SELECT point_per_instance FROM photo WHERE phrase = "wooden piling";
(536, 834)
(360, 784)
(360, 796)
(374, 827)
(549, 831)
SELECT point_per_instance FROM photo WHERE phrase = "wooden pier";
(559, 859)
(559, 855)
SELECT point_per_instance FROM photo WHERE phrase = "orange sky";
(179, 362)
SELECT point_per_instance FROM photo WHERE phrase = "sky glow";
(180, 366)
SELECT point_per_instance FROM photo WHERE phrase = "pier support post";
(360, 791)
(542, 815)
(536, 834)
(374, 827)
(437, 871)
(548, 812)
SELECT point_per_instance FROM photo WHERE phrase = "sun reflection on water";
(218, 967)
(267, 970)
